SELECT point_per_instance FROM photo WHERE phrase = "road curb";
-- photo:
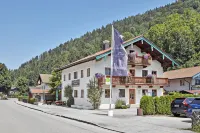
(83, 121)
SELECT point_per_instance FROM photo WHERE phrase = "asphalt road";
(17, 119)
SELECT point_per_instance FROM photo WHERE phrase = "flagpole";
(110, 112)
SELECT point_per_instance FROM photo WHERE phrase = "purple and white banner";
(120, 57)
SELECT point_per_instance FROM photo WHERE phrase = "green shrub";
(161, 105)
(119, 103)
(128, 105)
(196, 128)
(158, 106)
(23, 98)
(31, 100)
(70, 101)
(147, 104)
(124, 107)
(168, 101)
(4, 97)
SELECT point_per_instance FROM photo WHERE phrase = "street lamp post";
(43, 93)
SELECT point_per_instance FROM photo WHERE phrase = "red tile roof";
(92, 57)
(38, 91)
(182, 73)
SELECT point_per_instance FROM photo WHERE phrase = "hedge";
(31, 100)
(160, 105)
(147, 104)
(23, 98)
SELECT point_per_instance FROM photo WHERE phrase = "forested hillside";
(174, 27)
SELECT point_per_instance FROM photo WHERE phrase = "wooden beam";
(148, 49)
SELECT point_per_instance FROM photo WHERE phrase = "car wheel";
(176, 115)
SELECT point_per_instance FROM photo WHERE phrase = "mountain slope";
(91, 42)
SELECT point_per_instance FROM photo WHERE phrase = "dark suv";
(180, 105)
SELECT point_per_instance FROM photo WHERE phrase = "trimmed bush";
(23, 98)
(168, 101)
(160, 105)
(119, 103)
(147, 104)
(4, 97)
(70, 101)
(31, 100)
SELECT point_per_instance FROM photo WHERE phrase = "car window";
(196, 101)
(189, 100)
(179, 100)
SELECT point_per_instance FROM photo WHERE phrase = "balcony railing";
(139, 61)
(134, 81)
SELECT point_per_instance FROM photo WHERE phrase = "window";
(144, 73)
(75, 93)
(82, 93)
(64, 77)
(144, 92)
(154, 93)
(154, 72)
(107, 93)
(69, 77)
(121, 92)
(197, 81)
(107, 71)
(88, 72)
(75, 75)
(196, 101)
(81, 73)
(182, 83)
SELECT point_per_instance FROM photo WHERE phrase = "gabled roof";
(106, 52)
(182, 73)
(45, 78)
(38, 91)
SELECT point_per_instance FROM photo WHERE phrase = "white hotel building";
(80, 72)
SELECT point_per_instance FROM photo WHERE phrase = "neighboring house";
(80, 72)
(183, 79)
(41, 92)
(44, 80)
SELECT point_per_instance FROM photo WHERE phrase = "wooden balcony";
(134, 81)
(139, 61)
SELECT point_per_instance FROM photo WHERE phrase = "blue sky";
(30, 27)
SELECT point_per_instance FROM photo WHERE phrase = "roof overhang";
(76, 63)
(196, 76)
(152, 47)
(165, 57)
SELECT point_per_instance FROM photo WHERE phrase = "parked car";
(180, 106)
(60, 103)
(193, 106)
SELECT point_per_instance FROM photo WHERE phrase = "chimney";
(106, 44)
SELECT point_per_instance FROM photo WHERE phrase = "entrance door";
(131, 96)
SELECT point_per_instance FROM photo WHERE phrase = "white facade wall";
(138, 94)
(175, 84)
(99, 67)
(83, 81)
